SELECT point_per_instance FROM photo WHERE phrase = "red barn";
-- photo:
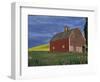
(71, 40)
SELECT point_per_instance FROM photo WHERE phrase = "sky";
(42, 28)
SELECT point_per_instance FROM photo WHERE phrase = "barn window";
(63, 46)
(53, 47)
(79, 49)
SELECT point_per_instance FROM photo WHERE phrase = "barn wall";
(76, 41)
(76, 38)
(61, 45)
(75, 49)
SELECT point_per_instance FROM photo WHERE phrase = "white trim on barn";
(70, 47)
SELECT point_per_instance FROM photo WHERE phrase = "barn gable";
(76, 40)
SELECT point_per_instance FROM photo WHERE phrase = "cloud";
(52, 19)
(34, 35)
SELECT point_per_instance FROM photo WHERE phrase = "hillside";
(44, 47)
(45, 58)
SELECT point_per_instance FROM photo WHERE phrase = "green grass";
(43, 47)
(44, 58)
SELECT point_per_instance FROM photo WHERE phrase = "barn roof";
(62, 35)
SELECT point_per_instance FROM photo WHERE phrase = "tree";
(86, 30)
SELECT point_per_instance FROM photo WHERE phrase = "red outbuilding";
(71, 40)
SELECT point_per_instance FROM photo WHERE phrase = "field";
(43, 47)
(45, 58)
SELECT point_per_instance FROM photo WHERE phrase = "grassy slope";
(44, 47)
(42, 58)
